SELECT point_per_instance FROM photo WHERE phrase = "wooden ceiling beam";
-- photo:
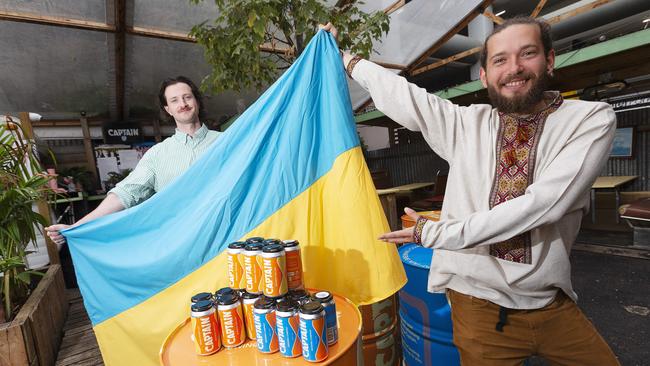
(447, 60)
(577, 11)
(159, 34)
(538, 8)
(396, 5)
(462, 24)
(57, 21)
(494, 18)
(120, 57)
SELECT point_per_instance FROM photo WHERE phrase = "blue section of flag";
(277, 149)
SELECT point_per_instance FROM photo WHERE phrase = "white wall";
(375, 137)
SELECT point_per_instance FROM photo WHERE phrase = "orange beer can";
(274, 268)
(231, 319)
(255, 239)
(205, 328)
(253, 267)
(248, 300)
(294, 264)
(236, 278)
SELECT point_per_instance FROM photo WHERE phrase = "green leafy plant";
(251, 41)
(21, 184)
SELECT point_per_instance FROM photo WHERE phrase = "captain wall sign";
(122, 133)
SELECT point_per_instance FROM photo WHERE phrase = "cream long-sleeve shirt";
(572, 150)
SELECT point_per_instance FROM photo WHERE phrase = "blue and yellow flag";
(290, 168)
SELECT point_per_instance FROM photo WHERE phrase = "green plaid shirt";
(162, 164)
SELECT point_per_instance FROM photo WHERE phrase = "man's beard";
(523, 104)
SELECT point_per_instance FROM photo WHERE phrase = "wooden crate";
(34, 336)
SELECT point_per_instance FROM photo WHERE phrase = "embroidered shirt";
(571, 150)
(162, 164)
(517, 142)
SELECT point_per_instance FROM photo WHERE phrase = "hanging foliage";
(251, 41)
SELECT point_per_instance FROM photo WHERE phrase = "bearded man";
(518, 186)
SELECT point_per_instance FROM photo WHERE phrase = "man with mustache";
(518, 186)
(181, 101)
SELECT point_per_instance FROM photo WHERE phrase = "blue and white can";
(288, 327)
(264, 318)
(313, 332)
(327, 300)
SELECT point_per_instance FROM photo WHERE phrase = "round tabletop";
(178, 347)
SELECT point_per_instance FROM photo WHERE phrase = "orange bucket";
(381, 333)
(407, 221)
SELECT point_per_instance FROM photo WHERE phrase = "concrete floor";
(614, 293)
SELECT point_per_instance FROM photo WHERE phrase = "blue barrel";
(425, 317)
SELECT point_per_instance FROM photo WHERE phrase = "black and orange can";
(201, 296)
(235, 260)
(248, 300)
(274, 268)
(231, 319)
(294, 264)
(224, 291)
(255, 239)
(205, 328)
(253, 267)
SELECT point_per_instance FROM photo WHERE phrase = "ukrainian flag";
(290, 168)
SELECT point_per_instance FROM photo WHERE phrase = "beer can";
(231, 318)
(255, 239)
(327, 300)
(274, 268)
(236, 278)
(288, 327)
(224, 291)
(272, 241)
(248, 300)
(313, 331)
(294, 264)
(265, 323)
(253, 267)
(300, 296)
(205, 328)
(202, 296)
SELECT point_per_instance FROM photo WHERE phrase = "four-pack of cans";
(265, 302)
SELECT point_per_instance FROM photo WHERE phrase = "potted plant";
(21, 185)
(32, 316)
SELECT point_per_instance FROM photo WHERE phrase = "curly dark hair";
(163, 101)
(544, 31)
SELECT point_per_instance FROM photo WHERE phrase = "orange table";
(178, 348)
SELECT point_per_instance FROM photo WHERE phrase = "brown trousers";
(558, 332)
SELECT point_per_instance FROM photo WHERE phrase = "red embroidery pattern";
(417, 232)
(516, 150)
